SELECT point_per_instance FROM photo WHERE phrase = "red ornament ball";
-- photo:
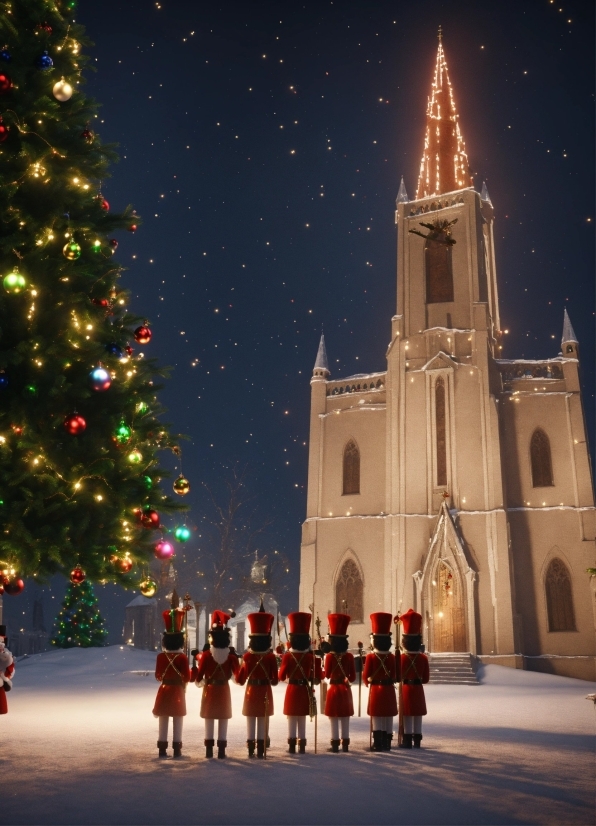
(132, 228)
(128, 350)
(164, 550)
(5, 83)
(75, 424)
(103, 203)
(125, 565)
(1, 586)
(101, 302)
(3, 131)
(14, 586)
(143, 334)
(149, 518)
(77, 575)
(88, 136)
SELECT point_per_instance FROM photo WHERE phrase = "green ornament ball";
(182, 533)
(14, 282)
(123, 433)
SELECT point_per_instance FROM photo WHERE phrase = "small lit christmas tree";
(79, 623)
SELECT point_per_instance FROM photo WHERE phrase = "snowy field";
(79, 747)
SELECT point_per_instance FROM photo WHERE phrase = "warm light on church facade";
(455, 482)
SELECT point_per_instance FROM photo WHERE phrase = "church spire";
(402, 195)
(321, 367)
(444, 166)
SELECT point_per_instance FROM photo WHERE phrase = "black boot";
(302, 746)
(221, 749)
(335, 746)
(209, 748)
(388, 739)
(260, 748)
(406, 743)
(250, 744)
(345, 743)
(177, 748)
(292, 745)
(417, 739)
(377, 743)
(162, 745)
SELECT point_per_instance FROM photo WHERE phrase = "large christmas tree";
(79, 622)
(79, 417)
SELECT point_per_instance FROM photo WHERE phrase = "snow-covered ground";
(78, 747)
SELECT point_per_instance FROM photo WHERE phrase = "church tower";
(456, 482)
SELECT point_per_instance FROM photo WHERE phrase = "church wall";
(537, 537)
(416, 444)
(367, 428)
(471, 484)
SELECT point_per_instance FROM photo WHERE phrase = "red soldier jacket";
(172, 669)
(8, 672)
(297, 668)
(340, 671)
(216, 702)
(259, 671)
(414, 674)
(380, 673)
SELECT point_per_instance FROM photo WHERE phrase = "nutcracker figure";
(259, 671)
(215, 667)
(6, 670)
(381, 672)
(414, 674)
(340, 670)
(172, 670)
(302, 669)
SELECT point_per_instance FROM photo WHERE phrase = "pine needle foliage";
(67, 499)
(79, 623)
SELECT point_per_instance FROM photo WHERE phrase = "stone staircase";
(452, 669)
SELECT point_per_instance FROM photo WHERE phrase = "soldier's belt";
(298, 682)
(217, 682)
(381, 682)
(412, 682)
(258, 682)
(172, 682)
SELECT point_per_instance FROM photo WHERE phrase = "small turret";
(484, 196)
(321, 368)
(569, 342)
(402, 195)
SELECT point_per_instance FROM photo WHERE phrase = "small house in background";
(142, 626)
(241, 629)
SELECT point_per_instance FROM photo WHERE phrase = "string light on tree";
(79, 623)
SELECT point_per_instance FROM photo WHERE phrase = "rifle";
(266, 723)
(360, 682)
(312, 704)
(400, 713)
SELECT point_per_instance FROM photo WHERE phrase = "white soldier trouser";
(297, 727)
(222, 729)
(383, 724)
(345, 727)
(163, 728)
(255, 725)
(412, 725)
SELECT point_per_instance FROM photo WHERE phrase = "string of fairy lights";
(74, 243)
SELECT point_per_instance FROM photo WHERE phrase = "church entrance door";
(449, 630)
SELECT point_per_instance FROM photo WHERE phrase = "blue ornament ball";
(3, 381)
(100, 378)
(44, 62)
(5, 56)
(115, 350)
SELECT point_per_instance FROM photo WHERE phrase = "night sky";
(263, 144)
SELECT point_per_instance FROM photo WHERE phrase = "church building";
(455, 482)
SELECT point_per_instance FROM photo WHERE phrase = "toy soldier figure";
(259, 672)
(216, 666)
(6, 670)
(414, 674)
(340, 670)
(381, 672)
(302, 669)
(173, 671)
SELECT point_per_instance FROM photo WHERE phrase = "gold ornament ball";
(72, 251)
(62, 91)
(181, 486)
(148, 587)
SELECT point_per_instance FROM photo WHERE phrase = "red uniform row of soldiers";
(302, 669)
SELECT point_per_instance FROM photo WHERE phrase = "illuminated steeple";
(444, 166)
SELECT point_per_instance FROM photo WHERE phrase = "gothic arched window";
(439, 271)
(349, 591)
(351, 468)
(441, 430)
(542, 469)
(559, 598)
